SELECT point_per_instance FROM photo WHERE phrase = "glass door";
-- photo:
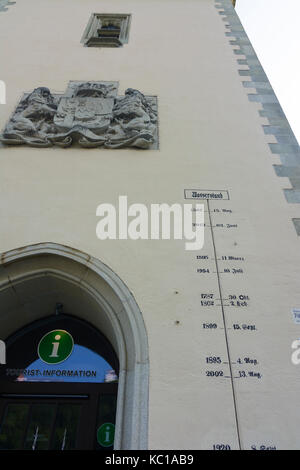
(57, 416)
(41, 425)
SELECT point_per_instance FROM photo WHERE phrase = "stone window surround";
(94, 24)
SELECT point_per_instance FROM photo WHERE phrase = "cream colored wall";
(210, 138)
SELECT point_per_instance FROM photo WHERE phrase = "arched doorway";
(33, 280)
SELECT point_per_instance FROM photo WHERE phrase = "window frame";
(94, 24)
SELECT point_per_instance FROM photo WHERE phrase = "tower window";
(107, 30)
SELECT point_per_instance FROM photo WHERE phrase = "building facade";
(161, 103)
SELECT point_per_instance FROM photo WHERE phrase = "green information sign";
(55, 347)
(106, 435)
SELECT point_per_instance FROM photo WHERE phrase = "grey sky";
(273, 27)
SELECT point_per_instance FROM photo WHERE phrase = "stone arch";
(34, 278)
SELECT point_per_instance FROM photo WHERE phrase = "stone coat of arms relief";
(89, 113)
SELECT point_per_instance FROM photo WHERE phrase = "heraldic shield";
(89, 113)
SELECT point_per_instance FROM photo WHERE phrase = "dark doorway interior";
(65, 405)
